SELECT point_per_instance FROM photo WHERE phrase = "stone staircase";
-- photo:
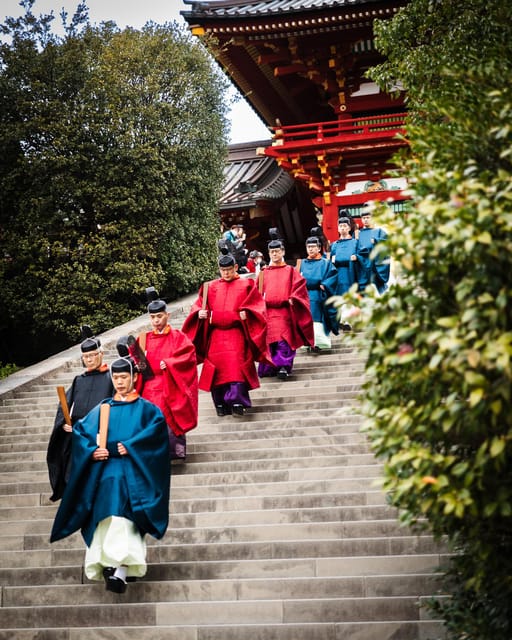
(277, 531)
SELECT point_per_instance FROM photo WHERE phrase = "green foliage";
(115, 147)
(7, 369)
(439, 397)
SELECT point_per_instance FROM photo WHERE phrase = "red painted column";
(330, 218)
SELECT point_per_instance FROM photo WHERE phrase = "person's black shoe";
(107, 572)
(346, 326)
(220, 409)
(115, 584)
(238, 410)
(282, 374)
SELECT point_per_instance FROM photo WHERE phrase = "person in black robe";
(86, 391)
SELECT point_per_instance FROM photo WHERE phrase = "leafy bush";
(439, 397)
(7, 370)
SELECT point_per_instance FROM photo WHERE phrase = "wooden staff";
(64, 405)
(205, 295)
(103, 432)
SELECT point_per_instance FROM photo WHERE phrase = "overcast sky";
(245, 124)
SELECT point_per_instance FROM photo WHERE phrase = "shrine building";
(301, 65)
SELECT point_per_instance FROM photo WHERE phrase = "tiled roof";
(256, 8)
(249, 178)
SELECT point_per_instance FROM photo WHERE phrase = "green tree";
(116, 142)
(438, 396)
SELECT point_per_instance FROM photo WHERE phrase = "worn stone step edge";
(265, 588)
(255, 550)
(398, 630)
(206, 533)
(200, 569)
(239, 612)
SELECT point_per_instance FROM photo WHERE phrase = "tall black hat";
(276, 241)
(125, 362)
(123, 365)
(314, 240)
(89, 342)
(226, 260)
(155, 303)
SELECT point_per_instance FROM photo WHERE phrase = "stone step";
(238, 550)
(349, 373)
(230, 441)
(270, 460)
(240, 512)
(273, 405)
(336, 420)
(270, 449)
(243, 612)
(267, 401)
(242, 568)
(47, 402)
(399, 545)
(356, 479)
(238, 532)
(353, 484)
(22, 534)
(397, 630)
(284, 588)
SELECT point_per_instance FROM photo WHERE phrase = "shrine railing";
(327, 132)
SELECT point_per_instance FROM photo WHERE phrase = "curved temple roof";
(249, 177)
(235, 8)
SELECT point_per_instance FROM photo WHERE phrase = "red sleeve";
(180, 379)
(196, 329)
(301, 309)
(255, 326)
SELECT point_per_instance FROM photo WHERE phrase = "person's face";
(228, 273)
(123, 382)
(159, 320)
(313, 250)
(276, 255)
(344, 229)
(92, 360)
(366, 220)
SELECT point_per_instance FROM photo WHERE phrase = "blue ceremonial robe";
(372, 270)
(134, 486)
(321, 272)
(347, 272)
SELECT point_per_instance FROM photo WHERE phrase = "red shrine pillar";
(330, 217)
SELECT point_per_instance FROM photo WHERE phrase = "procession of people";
(118, 428)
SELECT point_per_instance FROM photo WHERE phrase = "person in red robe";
(289, 319)
(227, 324)
(173, 384)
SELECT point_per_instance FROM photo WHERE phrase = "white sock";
(120, 572)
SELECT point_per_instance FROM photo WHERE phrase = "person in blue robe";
(119, 493)
(344, 257)
(321, 281)
(373, 269)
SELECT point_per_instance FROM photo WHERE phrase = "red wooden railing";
(322, 132)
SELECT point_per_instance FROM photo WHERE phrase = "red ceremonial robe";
(288, 313)
(226, 345)
(175, 388)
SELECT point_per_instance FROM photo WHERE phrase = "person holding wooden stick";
(228, 326)
(172, 385)
(86, 391)
(118, 490)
